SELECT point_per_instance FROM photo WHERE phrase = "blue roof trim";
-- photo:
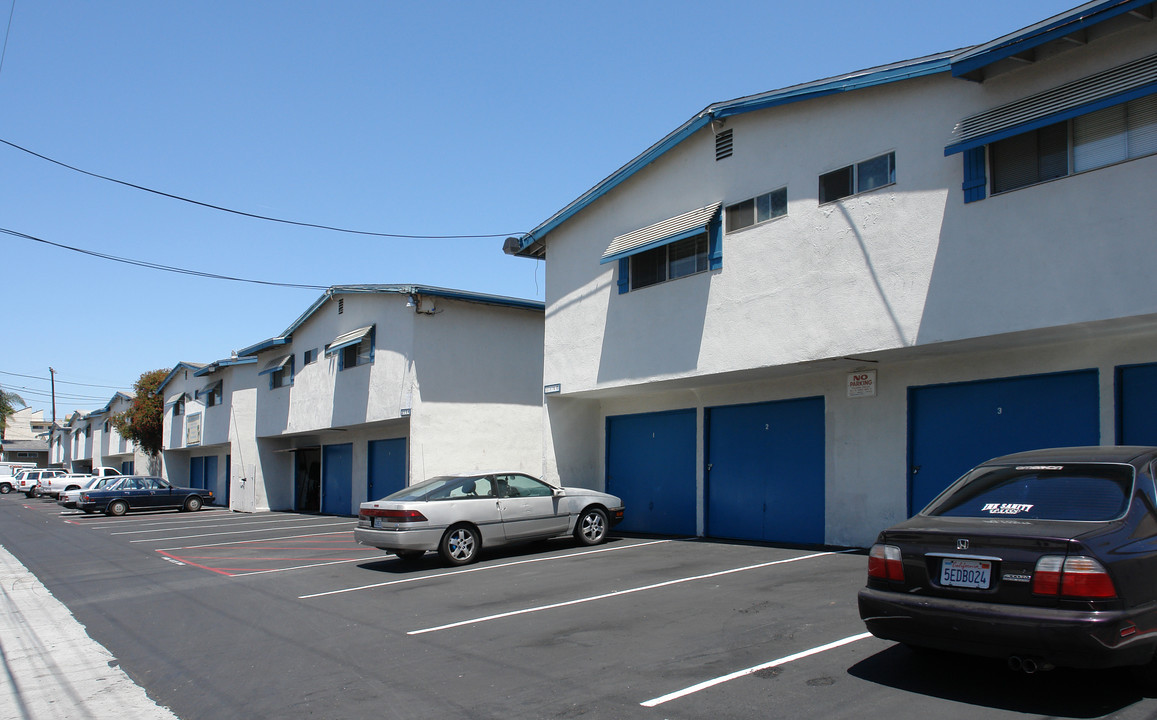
(1046, 120)
(1058, 26)
(217, 365)
(464, 295)
(881, 75)
(173, 373)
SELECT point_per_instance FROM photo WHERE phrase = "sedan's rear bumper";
(410, 539)
(1072, 638)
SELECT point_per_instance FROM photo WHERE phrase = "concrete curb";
(51, 668)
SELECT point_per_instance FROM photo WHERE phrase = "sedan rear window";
(1085, 491)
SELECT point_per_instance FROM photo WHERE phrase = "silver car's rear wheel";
(591, 528)
(460, 545)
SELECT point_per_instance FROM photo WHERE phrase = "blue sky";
(433, 119)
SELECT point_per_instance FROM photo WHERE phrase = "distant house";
(25, 437)
(803, 313)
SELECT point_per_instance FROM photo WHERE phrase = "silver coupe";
(458, 515)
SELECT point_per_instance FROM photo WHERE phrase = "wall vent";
(340, 305)
(723, 145)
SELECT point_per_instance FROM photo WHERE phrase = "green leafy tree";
(8, 403)
(142, 422)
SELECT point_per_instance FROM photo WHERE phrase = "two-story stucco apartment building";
(372, 388)
(90, 440)
(803, 313)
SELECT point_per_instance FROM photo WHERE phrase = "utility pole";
(52, 377)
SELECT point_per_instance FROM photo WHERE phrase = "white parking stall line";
(254, 542)
(748, 671)
(232, 532)
(303, 567)
(481, 568)
(617, 593)
(202, 525)
(156, 517)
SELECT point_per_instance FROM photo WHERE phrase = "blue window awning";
(680, 227)
(352, 337)
(275, 364)
(207, 390)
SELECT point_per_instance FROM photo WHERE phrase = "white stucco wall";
(930, 290)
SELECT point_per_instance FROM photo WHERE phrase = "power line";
(254, 215)
(65, 382)
(158, 266)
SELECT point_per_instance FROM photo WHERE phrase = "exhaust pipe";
(1028, 665)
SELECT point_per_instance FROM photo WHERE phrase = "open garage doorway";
(307, 479)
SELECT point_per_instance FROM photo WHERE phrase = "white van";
(7, 471)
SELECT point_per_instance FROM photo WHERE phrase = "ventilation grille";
(723, 145)
(340, 305)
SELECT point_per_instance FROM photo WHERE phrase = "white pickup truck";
(54, 485)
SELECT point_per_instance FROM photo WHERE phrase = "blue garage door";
(1137, 405)
(210, 482)
(197, 472)
(651, 466)
(765, 471)
(337, 475)
(387, 468)
(954, 427)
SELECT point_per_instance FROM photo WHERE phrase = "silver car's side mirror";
(558, 492)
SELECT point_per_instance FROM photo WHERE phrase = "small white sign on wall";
(193, 429)
(862, 383)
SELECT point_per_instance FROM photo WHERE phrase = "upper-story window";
(859, 178)
(353, 348)
(680, 246)
(1087, 142)
(759, 209)
(280, 371)
(179, 406)
(211, 393)
(309, 357)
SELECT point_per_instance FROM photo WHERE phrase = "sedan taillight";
(395, 516)
(1072, 577)
(885, 563)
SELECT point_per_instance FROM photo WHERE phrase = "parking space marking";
(617, 593)
(480, 568)
(202, 525)
(232, 532)
(748, 671)
(242, 542)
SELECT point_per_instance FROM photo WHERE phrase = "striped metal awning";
(276, 364)
(1108, 87)
(346, 339)
(668, 231)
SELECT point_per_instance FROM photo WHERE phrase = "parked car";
(137, 492)
(102, 471)
(69, 498)
(8, 471)
(53, 485)
(28, 481)
(459, 515)
(1042, 558)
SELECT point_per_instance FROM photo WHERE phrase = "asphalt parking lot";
(221, 615)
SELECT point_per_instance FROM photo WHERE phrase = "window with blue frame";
(1093, 122)
(684, 245)
(280, 372)
(353, 348)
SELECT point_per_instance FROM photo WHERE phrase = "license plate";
(955, 572)
(379, 522)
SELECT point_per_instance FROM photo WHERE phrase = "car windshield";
(433, 489)
(1070, 491)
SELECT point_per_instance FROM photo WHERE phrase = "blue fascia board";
(173, 373)
(698, 230)
(229, 362)
(1074, 20)
(1047, 120)
(882, 75)
(265, 345)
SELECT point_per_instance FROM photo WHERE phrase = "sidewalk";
(51, 668)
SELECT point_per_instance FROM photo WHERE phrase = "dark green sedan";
(143, 493)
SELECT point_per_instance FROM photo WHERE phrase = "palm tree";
(8, 402)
